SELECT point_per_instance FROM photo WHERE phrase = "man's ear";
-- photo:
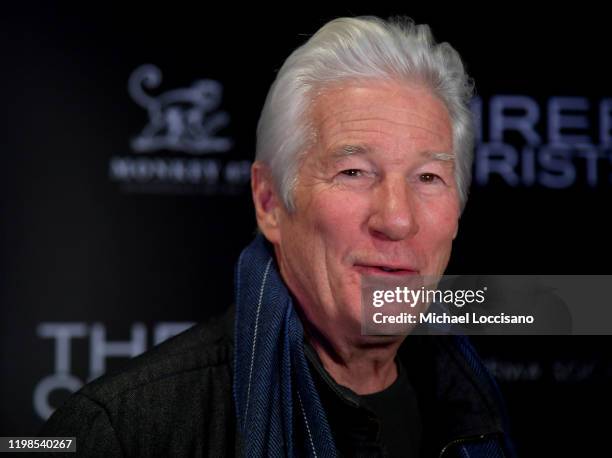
(268, 205)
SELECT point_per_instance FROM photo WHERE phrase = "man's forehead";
(392, 109)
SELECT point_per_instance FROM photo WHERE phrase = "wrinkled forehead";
(357, 112)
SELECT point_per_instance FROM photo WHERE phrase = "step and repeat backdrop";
(127, 138)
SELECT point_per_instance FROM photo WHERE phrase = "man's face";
(373, 197)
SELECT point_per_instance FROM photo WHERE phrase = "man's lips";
(385, 269)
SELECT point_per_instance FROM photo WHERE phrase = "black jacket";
(176, 400)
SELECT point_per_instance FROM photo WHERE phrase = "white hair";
(360, 48)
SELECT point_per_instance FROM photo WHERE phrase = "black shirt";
(384, 424)
(397, 410)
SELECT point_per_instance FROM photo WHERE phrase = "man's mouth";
(389, 269)
(373, 269)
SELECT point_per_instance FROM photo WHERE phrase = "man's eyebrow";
(352, 150)
(435, 156)
(349, 150)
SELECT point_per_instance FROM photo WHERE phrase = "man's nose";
(394, 215)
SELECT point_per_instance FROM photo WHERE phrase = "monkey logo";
(181, 119)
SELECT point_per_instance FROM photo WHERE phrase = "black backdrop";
(115, 254)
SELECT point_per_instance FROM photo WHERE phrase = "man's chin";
(382, 341)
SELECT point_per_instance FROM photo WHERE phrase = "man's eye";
(428, 177)
(352, 172)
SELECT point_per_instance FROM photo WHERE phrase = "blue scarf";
(273, 389)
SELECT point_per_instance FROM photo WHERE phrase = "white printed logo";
(184, 119)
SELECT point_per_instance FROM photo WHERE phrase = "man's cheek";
(334, 219)
(443, 227)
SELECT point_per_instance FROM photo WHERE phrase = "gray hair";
(360, 48)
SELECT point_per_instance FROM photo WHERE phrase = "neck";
(363, 367)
